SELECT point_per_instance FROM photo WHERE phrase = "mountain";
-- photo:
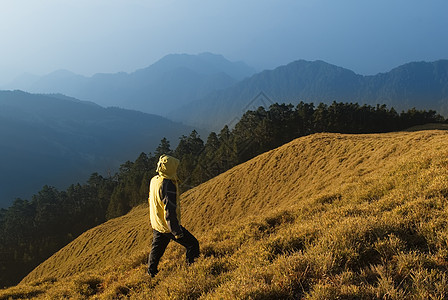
(174, 80)
(325, 216)
(57, 140)
(208, 91)
(421, 85)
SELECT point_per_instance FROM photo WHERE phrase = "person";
(164, 211)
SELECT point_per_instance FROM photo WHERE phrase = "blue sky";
(105, 36)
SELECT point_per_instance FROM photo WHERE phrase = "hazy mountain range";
(208, 91)
(57, 140)
(423, 85)
(173, 81)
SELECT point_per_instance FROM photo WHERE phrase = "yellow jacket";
(164, 204)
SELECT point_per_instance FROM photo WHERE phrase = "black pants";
(160, 242)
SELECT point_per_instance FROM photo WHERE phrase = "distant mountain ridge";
(208, 91)
(57, 140)
(419, 84)
(174, 80)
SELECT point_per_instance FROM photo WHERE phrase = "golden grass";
(324, 217)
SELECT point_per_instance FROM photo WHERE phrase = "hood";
(167, 167)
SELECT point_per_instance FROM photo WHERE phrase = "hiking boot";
(152, 273)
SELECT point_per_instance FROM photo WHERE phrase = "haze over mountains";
(208, 91)
(419, 84)
(56, 140)
(173, 81)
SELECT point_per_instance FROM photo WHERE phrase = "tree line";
(32, 230)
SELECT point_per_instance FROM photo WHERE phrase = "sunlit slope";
(306, 168)
(104, 245)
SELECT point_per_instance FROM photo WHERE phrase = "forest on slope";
(32, 230)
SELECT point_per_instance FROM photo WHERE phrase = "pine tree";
(163, 148)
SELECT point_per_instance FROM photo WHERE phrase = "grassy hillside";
(324, 216)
